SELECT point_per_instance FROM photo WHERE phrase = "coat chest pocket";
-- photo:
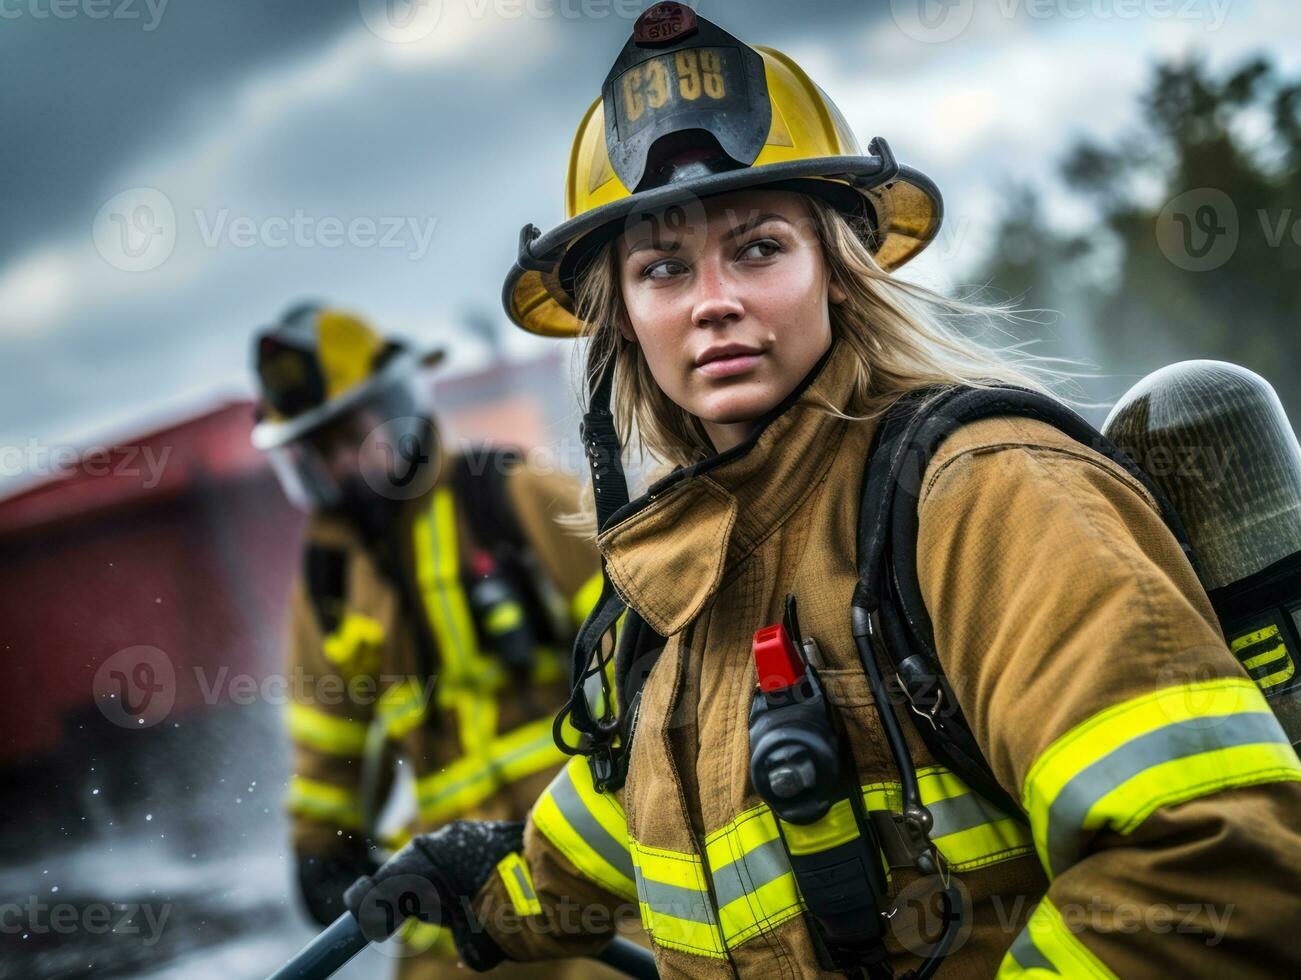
(850, 695)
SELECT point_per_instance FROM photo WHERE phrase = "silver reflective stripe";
(525, 888)
(1027, 954)
(750, 872)
(1067, 837)
(587, 826)
(674, 900)
(959, 813)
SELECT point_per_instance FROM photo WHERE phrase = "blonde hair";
(904, 336)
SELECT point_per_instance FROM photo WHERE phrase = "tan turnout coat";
(1164, 802)
(476, 742)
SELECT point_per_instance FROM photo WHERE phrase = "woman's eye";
(664, 269)
(761, 249)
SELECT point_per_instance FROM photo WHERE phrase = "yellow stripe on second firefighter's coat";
(324, 802)
(468, 681)
(355, 647)
(460, 787)
(586, 598)
(326, 733)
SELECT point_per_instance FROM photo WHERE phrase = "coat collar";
(667, 552)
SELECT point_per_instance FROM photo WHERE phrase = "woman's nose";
(716, 299)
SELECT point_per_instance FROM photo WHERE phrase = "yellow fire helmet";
(317, 364)
(326, 378)
(688, 111)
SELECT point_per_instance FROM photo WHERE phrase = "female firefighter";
(729, 256)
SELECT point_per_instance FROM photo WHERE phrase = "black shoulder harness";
(906, 441)
(325, 571)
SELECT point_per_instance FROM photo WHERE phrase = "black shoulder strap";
(479, 484)
(479, 481)
(325, 571)
(906, 442)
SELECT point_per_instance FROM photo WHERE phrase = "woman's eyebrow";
(751, 223)
(653, 243)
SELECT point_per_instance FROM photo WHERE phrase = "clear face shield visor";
(382, 445)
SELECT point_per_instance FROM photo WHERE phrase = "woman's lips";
(726, 367)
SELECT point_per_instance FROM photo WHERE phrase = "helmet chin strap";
(610, 492)
(601, 442)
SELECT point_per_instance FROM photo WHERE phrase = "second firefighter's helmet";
(328, 382)
(686, 111)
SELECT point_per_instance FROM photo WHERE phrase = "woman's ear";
(625, 328)
(836, 292)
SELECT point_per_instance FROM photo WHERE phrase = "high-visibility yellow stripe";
(519, 885)
(1047, 948)
(586, 598)
(355, 645)
(503, 617)
(1129, 804)
(1167, 747)
(674, 900)
(752, 880)
(761, 910)
(984, 844)
(1274, 653)
(1279, 654)
(969, 831)
(836, 827)
(419, 937)
(469, 680)
(401, 707)
(756, 890)
(587, 827)
(1114, 726)
(753, 883)
(1278, 677)
(472, 779)
(1251, 639)
(324, 802)
(326, 733)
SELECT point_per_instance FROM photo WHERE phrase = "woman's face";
(729, 304)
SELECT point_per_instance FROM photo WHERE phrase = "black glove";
(435, 878)
(322, 880)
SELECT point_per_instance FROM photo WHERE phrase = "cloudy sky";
(175, 172)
